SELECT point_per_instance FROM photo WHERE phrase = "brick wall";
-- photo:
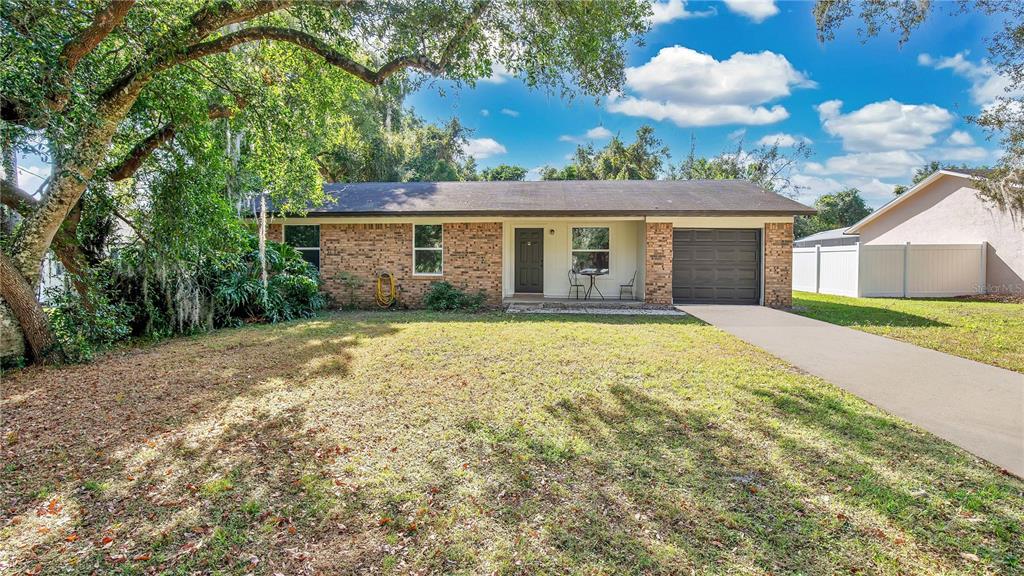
(472, 260)
(275, 232)
(778, 264)
(658, 263)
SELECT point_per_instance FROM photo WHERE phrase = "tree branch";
(449, 50)
(85, 41)
(308, 42)
(16, 198)
(81, 45)
(130, 164)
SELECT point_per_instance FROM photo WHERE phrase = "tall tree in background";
(769, 166)
(1003, 119)
(503, 172)
(100, 86)
(643, 159)
(406, 149)
(930, 168)
(839, 210)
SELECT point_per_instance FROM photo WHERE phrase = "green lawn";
(989, 332)
(478, 444)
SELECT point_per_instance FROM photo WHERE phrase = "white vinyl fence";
(897, 270)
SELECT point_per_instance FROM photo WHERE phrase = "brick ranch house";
(715, 241)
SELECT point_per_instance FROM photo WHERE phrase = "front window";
(305, 239)
(590, 248)
(427, 254)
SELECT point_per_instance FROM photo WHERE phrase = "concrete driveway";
(975, 406)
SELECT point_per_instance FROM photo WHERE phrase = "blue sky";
(752, 69)
(872, 111)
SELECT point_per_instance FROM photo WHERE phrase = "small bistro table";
(593, 273)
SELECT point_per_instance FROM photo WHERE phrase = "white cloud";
(533, 174)
(737, 134)
(682, 75)
(485, 112)
(499, 75)
(672, 10)
(783, 140)
(888, 125)
(889, 164)
(595, 133)
(756, 10)
(960, 138)
(32, 172)
(874, 191)
(691, 88)
(510, 112)
(481, 148)
(961, 153)
(986, 83)
(689, 115)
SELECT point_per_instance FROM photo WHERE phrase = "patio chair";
(628, 287)
(574, 282)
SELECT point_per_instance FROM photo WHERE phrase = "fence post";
(983, 273)
(906, 267)
(860, 263)
(817, 268)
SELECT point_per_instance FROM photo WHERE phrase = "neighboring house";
(834, 237)
(945, 208)
(686, 241)
(938, 239)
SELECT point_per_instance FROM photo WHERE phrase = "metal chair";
(628, 286)
(574, 282)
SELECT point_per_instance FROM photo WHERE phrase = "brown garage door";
(716, 266)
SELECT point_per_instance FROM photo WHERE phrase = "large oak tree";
(98, 86)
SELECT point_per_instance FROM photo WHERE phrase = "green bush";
(85, 326)
(293, 287)
(442, 296)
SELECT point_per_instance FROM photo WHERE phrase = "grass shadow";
(845, 314)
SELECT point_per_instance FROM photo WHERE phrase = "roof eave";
(858, 226)
(581, 213)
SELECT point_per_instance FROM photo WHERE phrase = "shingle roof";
(826, 235)
(556, 197)
(834, 237)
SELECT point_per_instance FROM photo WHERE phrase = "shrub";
(85, 326)
(293, 287)
(442, 296)
(352, 283)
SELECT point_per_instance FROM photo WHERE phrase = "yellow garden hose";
(385, 300)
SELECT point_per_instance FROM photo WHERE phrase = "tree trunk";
(19, 296)
(263, 241)
(65, 246)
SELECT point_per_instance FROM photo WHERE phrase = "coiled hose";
(386, 299)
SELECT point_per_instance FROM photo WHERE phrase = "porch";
(540, 257)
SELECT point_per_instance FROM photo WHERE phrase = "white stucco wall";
(949, 211)
(625, 254)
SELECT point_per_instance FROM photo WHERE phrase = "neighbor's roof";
(834, 234)
(556, 197)
(970, 173)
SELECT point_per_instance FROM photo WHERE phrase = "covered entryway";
(716, 266)
(529, 260)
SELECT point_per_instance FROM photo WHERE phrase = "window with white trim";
(590, 248)
(427, 251)
(305, 239)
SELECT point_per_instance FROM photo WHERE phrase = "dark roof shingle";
(556, 197)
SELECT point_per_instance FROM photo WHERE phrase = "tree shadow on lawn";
(68, 427)
(626, 478)
(936, 494)
(852, 315)
(637, 486)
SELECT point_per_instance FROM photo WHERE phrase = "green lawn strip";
(989, 332)
(432, 443)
